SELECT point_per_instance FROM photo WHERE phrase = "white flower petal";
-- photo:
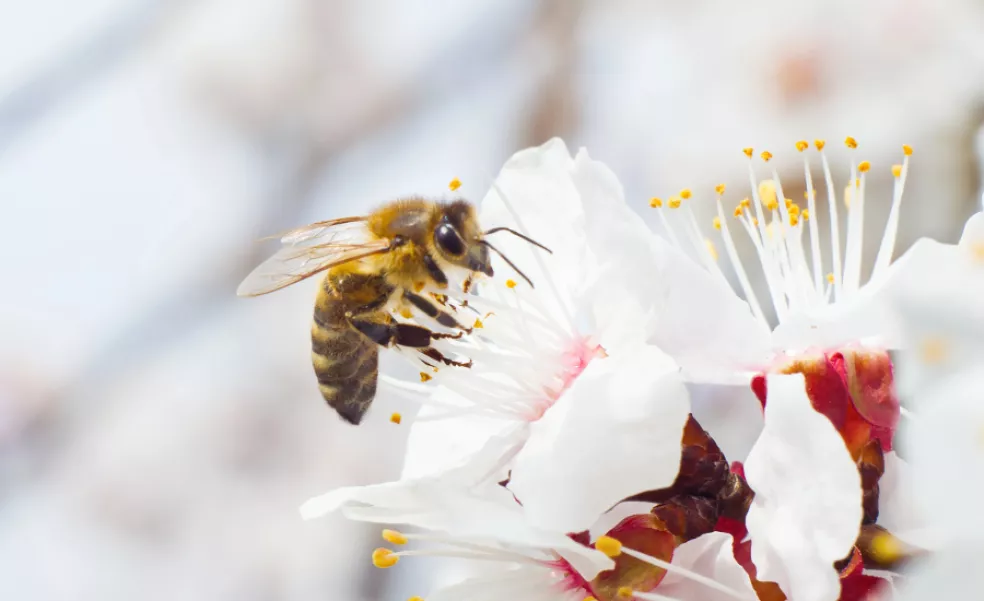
(945, 443)
(973, 233)
(536, 183)
(938, 303)
(497, 583)
(953, 573)
(709, 555)
(438, 445)
(614, 433)
(702, 324)
(807, 511)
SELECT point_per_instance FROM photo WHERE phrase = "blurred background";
(157, 433)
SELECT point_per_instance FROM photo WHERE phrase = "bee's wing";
(309, 250)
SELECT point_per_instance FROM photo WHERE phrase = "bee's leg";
(431, 310)
(435, 271)
(436, 355)
(385, 334)
(405, 334)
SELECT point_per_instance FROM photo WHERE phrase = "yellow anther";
(384, 558)
(625, 592)
(977, 252)
(611, 547)
(748, 152)
(711, 249)
(857, 182)
(739, 210)
(746, 202)
(717, 223)
(789, 202)
(885, 548)
(850, 142)
(802, 145)
(406, 313)
(864, 167)
(510, 283)
(396, 418)
(719, 189)
(897, 170)
(805, 214)
(478, 324)
(819, 144)
(686, 194)
(755, 221)
(655, 202)
(793, 208)
(454, 184)
(794, 220)
(767, 192)
(933, 350)
(589, 598)
(675, 202)
(766, 156)
(830, 278)
(393, 537)
(418, 286)
(907, 150)
(415, 598)
(425, 377)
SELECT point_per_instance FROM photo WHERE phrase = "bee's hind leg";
(407, 335)
(436, 355)
(431, 310)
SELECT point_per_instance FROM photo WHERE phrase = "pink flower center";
(853, 387)
(570, 579)
(573, 363)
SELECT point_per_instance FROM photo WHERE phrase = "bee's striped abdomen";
(345, 361)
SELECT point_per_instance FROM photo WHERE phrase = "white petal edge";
(709, 555)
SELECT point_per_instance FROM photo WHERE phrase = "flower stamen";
(384, 558)
(887, 247)
(611, 547)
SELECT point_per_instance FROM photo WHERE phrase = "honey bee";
(392, 253)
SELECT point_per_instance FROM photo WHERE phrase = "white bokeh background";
(156, 432)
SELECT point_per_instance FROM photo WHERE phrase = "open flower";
(576, 380)
(828, 322)
(831, 329)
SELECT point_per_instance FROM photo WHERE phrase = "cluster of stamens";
(776, 226)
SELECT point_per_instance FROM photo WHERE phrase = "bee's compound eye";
(449, 240)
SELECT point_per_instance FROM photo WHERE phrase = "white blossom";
(515, 558)
(581, 372)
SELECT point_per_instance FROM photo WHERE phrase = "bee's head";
(458, 238)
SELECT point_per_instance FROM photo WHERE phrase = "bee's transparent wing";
(309, 250)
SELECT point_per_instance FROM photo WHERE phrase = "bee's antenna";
(518, 235)
(506, 259)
